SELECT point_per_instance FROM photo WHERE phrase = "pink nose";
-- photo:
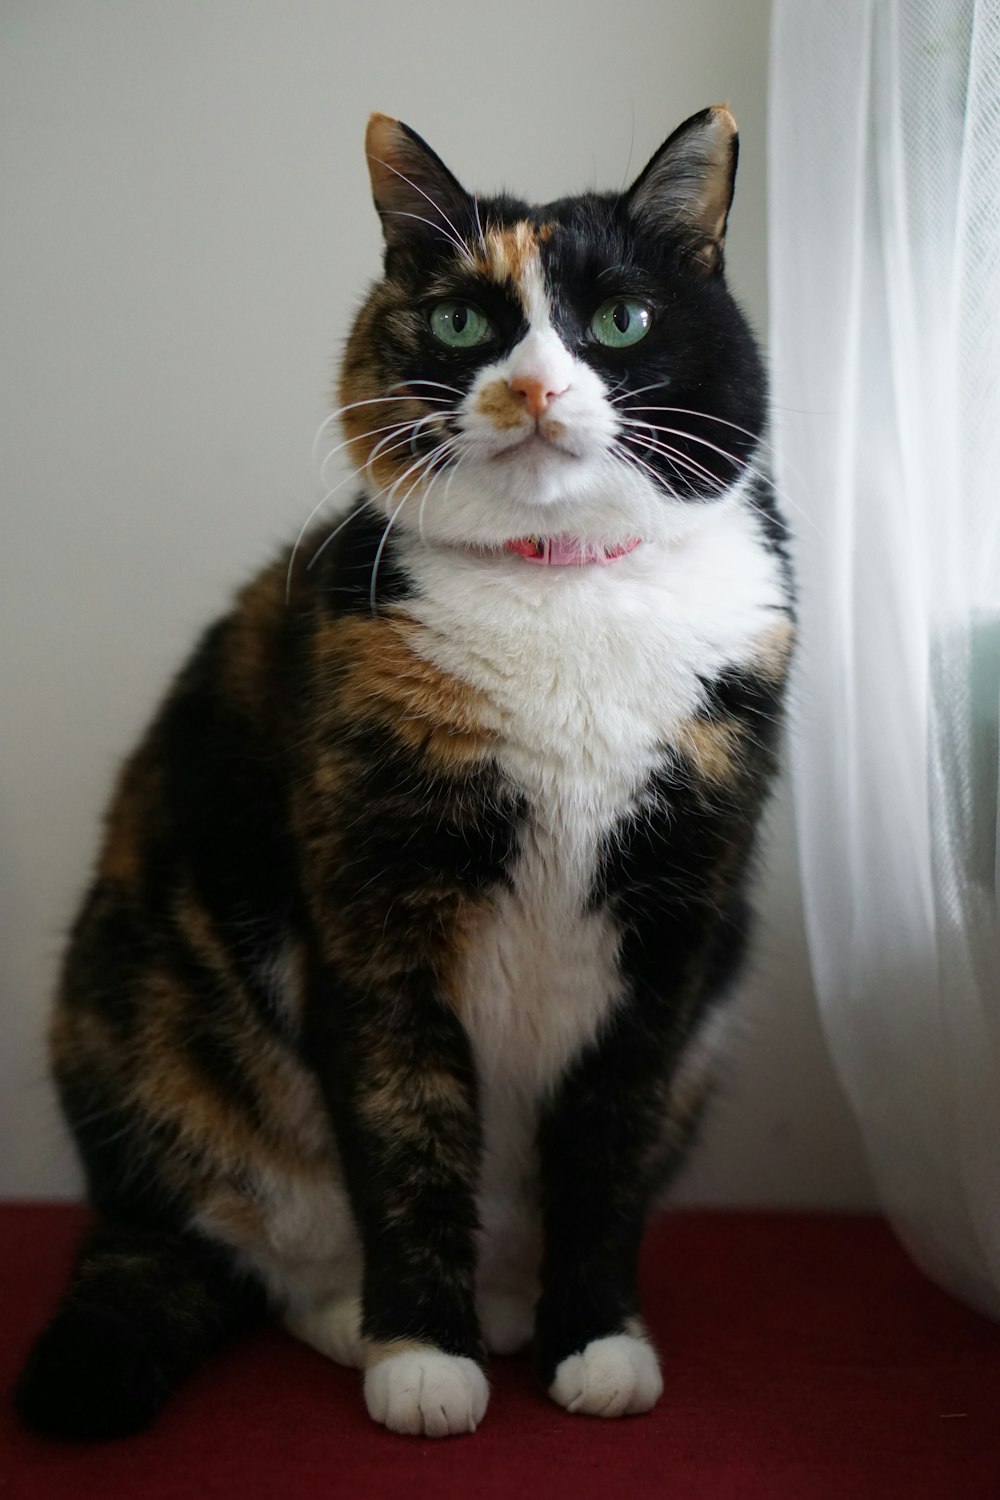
(535, 393)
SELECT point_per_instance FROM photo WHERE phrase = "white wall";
(186, 228)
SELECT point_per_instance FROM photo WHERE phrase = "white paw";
(425, 1393)
(507, 1320)
(613, 1377)
(333, 1327)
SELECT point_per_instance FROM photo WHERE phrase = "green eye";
(621, 322)
(460, 325)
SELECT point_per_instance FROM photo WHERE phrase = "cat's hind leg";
(144, 1305)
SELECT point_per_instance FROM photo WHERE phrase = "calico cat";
(393, 1001)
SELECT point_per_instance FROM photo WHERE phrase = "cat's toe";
(425, 1393)
(618, 1376)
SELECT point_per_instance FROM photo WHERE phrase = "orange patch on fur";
(712, 746)
(375, 421)
(234, 1217)
(774, 650)
(510, 256)
(370, 671)
(128, 821)
(78, 1039)
(498, 403)
(511, 251)
(381, 677)
(169, 1088)
(375, 1353)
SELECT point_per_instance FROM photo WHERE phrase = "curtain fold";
(884, 162)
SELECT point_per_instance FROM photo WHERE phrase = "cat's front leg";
(400, 1085)
(598, 1152)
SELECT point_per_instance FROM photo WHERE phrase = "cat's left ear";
(686, 188)
(414, 192)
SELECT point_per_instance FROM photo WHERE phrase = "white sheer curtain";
(885, 345)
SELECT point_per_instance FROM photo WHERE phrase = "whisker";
(348, 478)
(451, 476)
(634, 459)
(693, 437)
(360, 437)
(743, 463)
(372, 401)
(447, 449)
(669, 451)
(705, 416)
(390, 444)
(319, 433)
(641, 390)
(381, 545)
(438, 385)
(414, 433)
(762, 442)
(628, 163)
(747, 499)
(455, 237)
(334, 533)
(637, 465)
(676, 464)
(399, 213)
(758, 439)
(479, 223)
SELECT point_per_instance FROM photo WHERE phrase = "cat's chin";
(535, 477)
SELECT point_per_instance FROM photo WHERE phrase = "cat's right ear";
(414, 192)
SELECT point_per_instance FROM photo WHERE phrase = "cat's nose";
(533, 393)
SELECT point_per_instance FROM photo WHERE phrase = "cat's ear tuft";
(414, 192)
(686, 188)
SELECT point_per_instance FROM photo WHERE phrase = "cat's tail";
(142, 1308)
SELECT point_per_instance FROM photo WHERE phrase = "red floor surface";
(805, 1359)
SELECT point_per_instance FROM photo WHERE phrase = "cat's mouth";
(537, 444)
(566, 551)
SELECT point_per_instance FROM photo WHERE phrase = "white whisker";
(451, 476)
(438, 385)
(390, 444)
(669, 451)
(399, 213)
(447, 449)
(335, 532)
(381, 545)
(639, 464)
(359, 438)
(761, 441)
(305, 527)
(454, 236)
(641, 390)
(752, 469)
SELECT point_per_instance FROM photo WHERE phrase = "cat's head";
(577, 369)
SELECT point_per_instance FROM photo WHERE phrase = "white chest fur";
(590, 672)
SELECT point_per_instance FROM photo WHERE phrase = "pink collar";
(561, 551)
